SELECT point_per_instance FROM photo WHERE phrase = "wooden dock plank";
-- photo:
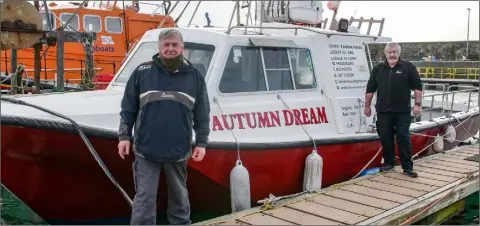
(403, 183)
(373, 192)
(439, 172)
(421, 180)
(460, 154)
(468, 151)
(327, 212)
(391, 188)
(447, 168)
(233, 223)
(466, 162)
(347, 205)
(299, 217)
(436, 177)
(474, 150)
(358, 198)
(452, 164)
(454, 156)
(263, 219)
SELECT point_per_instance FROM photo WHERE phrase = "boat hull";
(54, 173)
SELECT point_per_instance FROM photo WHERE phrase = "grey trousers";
(146, 175)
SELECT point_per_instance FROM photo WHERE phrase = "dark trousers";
(146, 176)
(389, 126)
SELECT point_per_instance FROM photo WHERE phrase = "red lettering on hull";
(270, 119)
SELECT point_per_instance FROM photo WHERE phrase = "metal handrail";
(433, 97)
(448, 92)
(296, 28)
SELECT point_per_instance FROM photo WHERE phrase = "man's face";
(170, 47)
(392, 54)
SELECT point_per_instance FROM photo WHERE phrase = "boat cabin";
(274, 81)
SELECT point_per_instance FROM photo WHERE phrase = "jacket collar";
(183, 68)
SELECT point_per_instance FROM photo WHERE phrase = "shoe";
(386, 168)
(411, 173)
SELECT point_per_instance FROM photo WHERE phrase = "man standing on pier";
(393, 81)
(165, 98)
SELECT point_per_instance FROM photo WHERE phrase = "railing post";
(431, 107)
(469, 98)
(451, 106)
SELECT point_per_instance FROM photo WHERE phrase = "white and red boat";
(281, 89)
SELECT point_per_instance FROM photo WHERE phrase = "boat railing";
(278, 11)
(294, 27)
(370, 21)
(445, 94)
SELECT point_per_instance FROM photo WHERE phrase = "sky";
(405, 21)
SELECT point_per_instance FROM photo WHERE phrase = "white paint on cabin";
(332, 101)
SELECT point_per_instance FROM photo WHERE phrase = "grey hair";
(393, 45)
(170, 33)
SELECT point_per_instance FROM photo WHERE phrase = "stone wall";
(444, 51)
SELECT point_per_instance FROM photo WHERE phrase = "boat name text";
(269, 119)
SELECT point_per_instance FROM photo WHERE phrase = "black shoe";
(411, 173)
(386, 168)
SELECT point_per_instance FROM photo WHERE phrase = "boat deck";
(385, 198)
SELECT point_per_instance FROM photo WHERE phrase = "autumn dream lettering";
(253, 120)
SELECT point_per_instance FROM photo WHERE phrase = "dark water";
(14, 212)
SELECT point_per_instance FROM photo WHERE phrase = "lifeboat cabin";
(117, 30)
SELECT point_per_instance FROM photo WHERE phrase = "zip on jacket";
(163, 107)
(394, 85)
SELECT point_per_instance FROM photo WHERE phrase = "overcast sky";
(405, 21)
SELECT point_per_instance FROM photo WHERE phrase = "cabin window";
(253, 69)
(74, 23)
(92, 23)
(113, 25)
(243, 71)
(200, 55)
(43, 15)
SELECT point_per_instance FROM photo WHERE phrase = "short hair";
(393, 45)
(170, 33)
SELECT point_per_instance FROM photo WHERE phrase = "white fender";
(312, 175)
(451, 134)
(438, 144)
(239, 188)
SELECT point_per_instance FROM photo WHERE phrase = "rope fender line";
(463, 180)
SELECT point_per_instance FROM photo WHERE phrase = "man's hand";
(123, 148)
(367, 111)
(198, 154)
(416, 110)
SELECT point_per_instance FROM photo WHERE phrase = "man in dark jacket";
(393, 80)
(165, 99)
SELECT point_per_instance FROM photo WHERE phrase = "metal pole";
(468, 29)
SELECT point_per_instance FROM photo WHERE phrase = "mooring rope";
(269, 203)
(231, 130)
(298, 119)
(410, 219)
